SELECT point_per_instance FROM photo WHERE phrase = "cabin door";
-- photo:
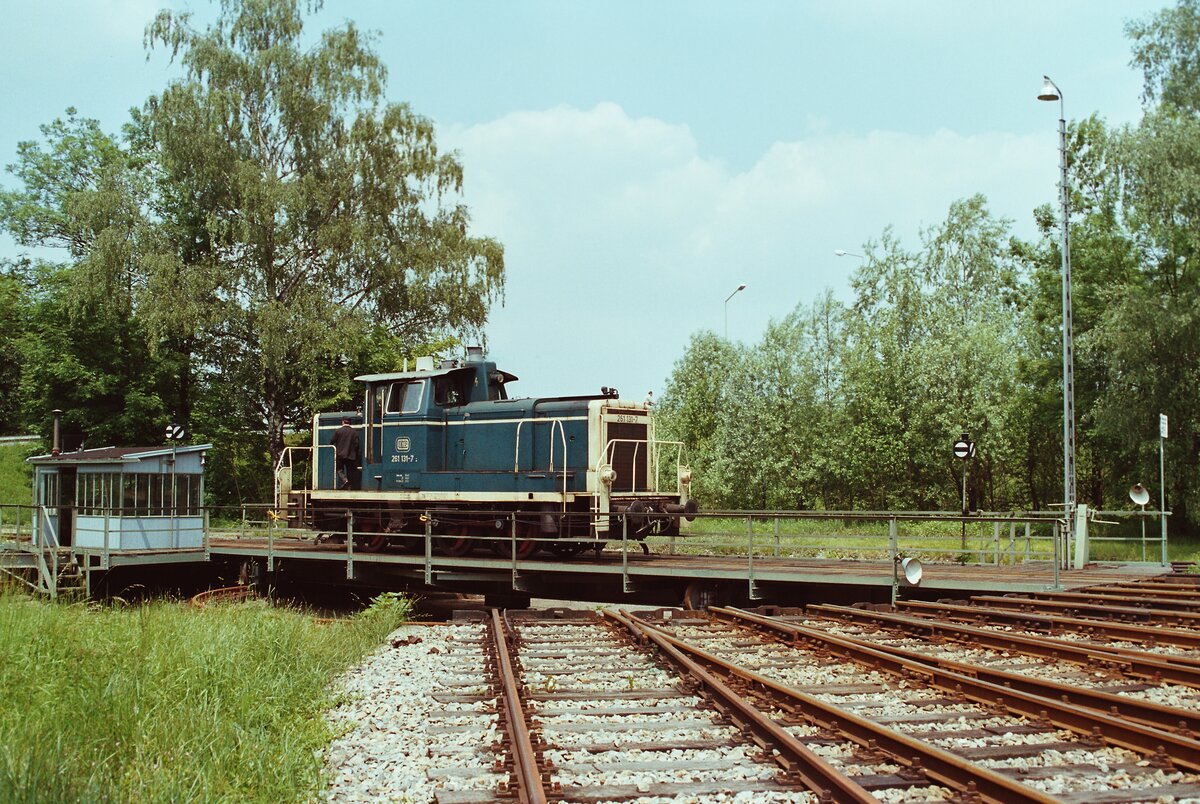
(66, 507)
(55, 498)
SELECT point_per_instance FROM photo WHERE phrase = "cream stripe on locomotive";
(440, 423)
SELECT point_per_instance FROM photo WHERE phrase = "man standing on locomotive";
(345, 450)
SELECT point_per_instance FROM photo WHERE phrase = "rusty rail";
(1134, 599)
(815, 773)
(1164, 591)
(1134, 709)
(525, 764)
(1143, 739)
(1034, 620)
(224, 594)
(1104, 611)
(1129, 662)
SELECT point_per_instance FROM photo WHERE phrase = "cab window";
(453, 389)
(405, 397)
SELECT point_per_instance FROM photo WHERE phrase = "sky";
(641, 160)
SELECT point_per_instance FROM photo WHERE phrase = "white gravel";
(398, 743)
(394, 732)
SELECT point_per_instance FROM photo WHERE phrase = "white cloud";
(622, 238)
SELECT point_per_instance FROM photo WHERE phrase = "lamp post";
(1051, 92)
(740, 288)
(842, 253)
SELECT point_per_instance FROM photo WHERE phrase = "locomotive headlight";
(685, 476)
(608, 475)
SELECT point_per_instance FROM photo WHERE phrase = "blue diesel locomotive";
(444, 447)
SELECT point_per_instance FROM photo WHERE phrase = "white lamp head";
(912, 571)
(1050, 91)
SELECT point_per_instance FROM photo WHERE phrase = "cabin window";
(49, 492)
(144, 494)
(405, 397)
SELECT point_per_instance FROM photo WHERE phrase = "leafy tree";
(12, 324)
(90, 361)
(970, 356)
(1166, 48)
(1147, 339)
(767, 421)
(83, 347)
(318, 210)
(691, 406)
(823, 352)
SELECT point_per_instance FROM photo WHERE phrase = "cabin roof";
(115, 454)
(420, 375)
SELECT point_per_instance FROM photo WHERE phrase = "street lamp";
(740, 288)
(1051, 92)
(842, 253)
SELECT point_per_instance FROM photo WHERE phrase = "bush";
(16, 476)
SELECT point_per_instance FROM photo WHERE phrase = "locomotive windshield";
(454, 388)
(405, 397)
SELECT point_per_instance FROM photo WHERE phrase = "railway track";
(829, 703)
(226, 594)
(1069, 750)
(591, 717)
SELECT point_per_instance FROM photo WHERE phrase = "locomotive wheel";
(371, 543)
(568, 549)
(409, 544)
(455, 546)
(525, 547)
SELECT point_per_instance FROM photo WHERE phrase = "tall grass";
(167, 703)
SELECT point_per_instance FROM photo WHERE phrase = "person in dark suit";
(346, 453)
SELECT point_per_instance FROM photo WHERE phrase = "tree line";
(262, 230)
(269, 225)
(856, 405)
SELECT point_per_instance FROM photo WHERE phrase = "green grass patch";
(861, 538)
(867, 538)
(16, 476)
(165, 702)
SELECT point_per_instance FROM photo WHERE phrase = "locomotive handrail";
(285, 454)
(637, 444)
(285, 457)
(653, 446)
(555, 424)
(562, 432)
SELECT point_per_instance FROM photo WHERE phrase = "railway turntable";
(622, 573)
